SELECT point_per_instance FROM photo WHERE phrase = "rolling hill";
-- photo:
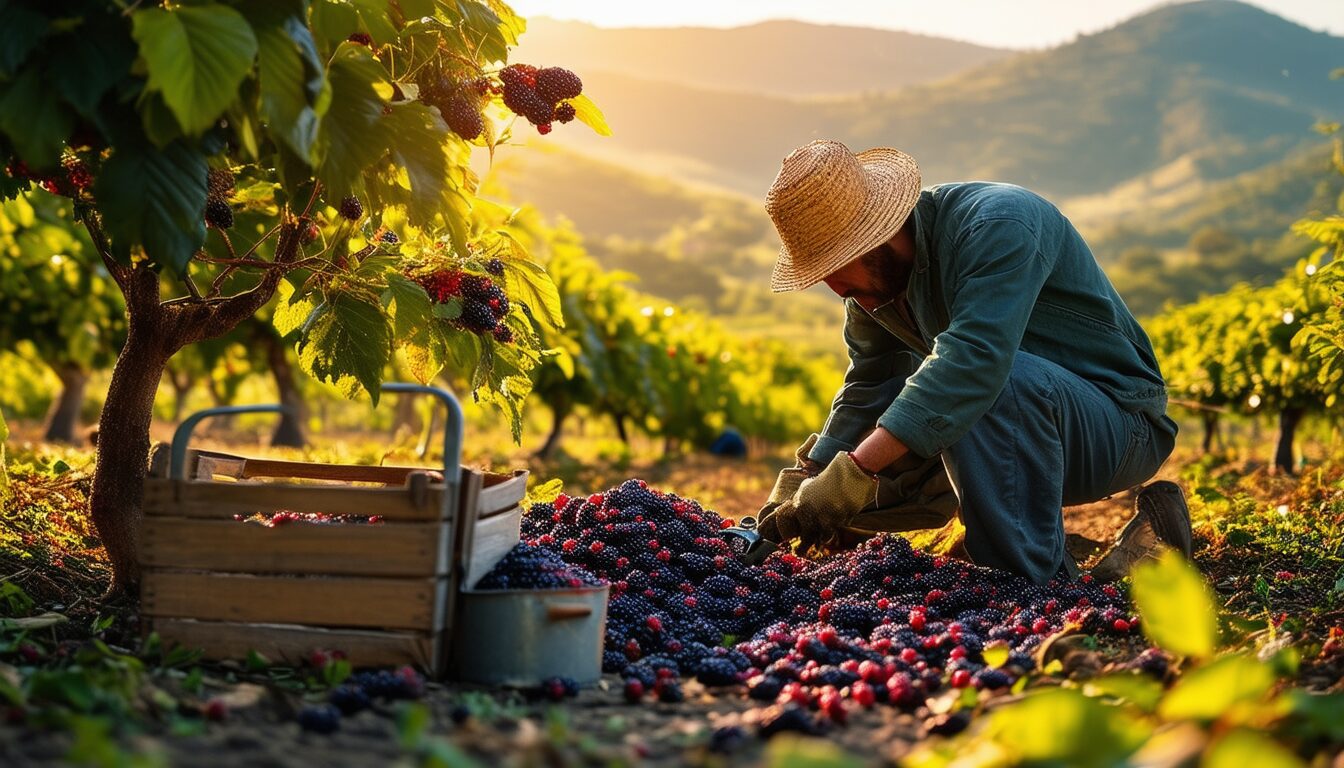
(782, 58)
(1225, 84)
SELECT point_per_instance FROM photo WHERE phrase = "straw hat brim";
(893, 189)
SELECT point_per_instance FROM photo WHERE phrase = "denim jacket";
(997, 269)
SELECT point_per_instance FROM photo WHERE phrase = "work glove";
(824, 504)
(788, 481)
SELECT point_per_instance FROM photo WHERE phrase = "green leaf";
(427, 352)
(346, 342)
(291, 310)
(485, 35)
(996, 653)
(21, 29)
(377, 20)
(1176, 606)
(529, 282)
(197, 57)
(449, 310)
(91, 63)
(409, 305)
(334, 20)
(353, 134)
(1207, 692)
(293, 84)
(1064, 727)
(35, 119)
(1321, 715)
(155, 198)
(418, 140)
(1242, 747)
(1139, 690)
(588, 114)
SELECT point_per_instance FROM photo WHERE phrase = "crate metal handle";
(452, 431)
(562, 611)
(177, 464)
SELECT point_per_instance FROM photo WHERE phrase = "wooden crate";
(382, 593)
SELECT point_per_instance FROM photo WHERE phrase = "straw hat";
(831, 206)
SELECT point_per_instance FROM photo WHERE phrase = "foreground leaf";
(1176, 605)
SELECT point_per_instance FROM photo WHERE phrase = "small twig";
(257, 244)
(192, 290)
(317, 187)
(228, 243)
(218, 284)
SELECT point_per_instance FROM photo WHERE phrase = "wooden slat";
(491, 539)
(347, 472)
(290, 644)
(328, 602)
(389, 549)
(501, 493)
(224, 500)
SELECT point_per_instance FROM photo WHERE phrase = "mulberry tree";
(314, 152)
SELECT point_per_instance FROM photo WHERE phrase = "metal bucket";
(521, 637)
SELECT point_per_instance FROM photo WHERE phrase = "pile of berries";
(540, 95)
(484, 303)
(529, 567)
(882, 623)
(285, 517)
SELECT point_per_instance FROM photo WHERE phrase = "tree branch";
(115, 268)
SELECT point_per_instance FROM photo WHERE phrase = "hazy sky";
(1003, 23)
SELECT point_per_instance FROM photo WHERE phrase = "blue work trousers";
(1050, 440)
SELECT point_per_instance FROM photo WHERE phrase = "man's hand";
(823, 504)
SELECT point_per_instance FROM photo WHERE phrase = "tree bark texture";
(1210, 430)
(155, 331)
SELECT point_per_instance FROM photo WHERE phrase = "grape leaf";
(409, 304)
(155, 198)
(588, 114)
(293, 86)
(35, 118)
(346, 342)
(352, 134)
(197, 57)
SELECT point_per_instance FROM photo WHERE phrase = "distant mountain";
(785, 58)
(1224, 84)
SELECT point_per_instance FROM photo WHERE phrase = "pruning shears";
(758, 548)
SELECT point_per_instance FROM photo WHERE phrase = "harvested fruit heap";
(878, 624)
(285, 517)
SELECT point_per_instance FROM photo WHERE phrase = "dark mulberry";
(351, 208)
(463, 116)
(218, 214)
(556, 84)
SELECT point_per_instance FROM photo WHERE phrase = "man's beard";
(888, 273)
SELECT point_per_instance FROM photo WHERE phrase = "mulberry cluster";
(540, 95)
(528, 566)
(458, 101)
(484, 303)
(880, 624)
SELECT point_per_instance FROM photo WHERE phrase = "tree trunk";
(1210, 430)
(181, 388)
(289, 432)
(63, 420)
(620, 428)
(560, 413)
(1289, 418)
(123, 448)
